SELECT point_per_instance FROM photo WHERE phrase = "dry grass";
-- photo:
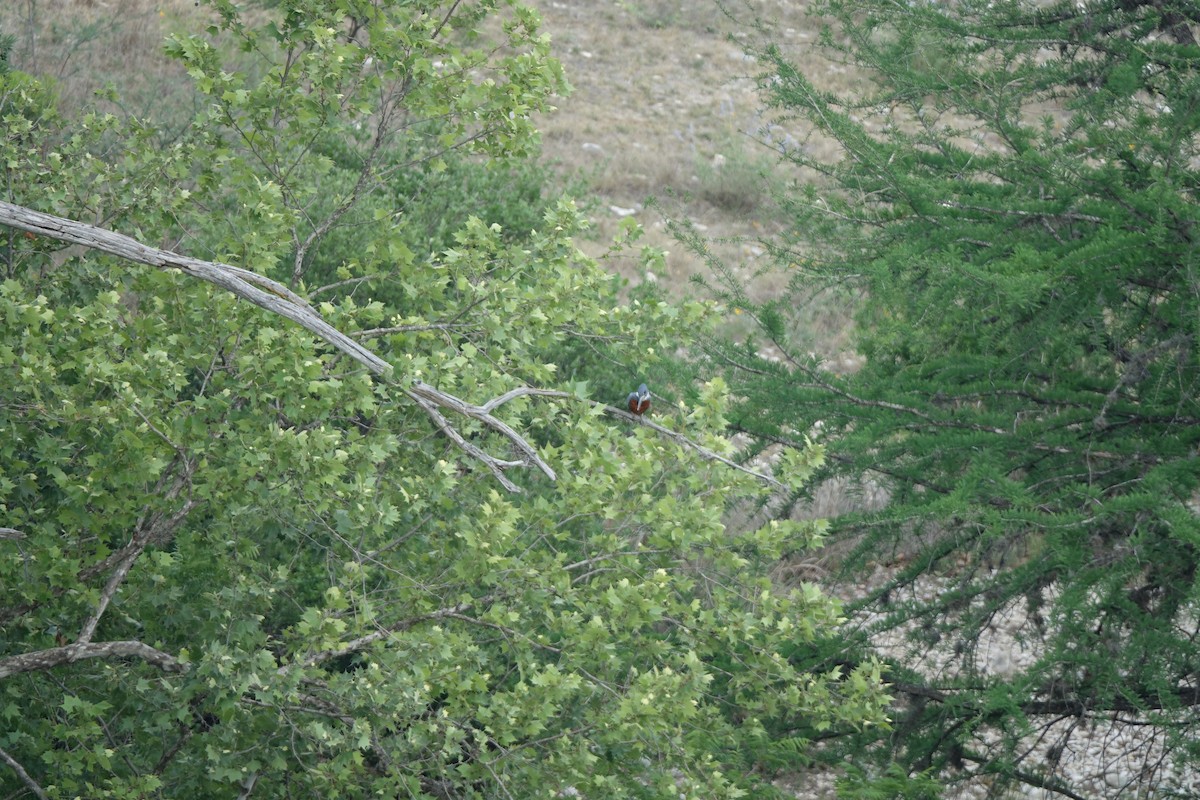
(86, 45)
(665, 106)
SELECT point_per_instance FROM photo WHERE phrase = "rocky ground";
(1114, 757)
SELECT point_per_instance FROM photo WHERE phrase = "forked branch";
(429, 398)
(277, 298)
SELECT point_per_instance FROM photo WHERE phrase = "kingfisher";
(639, 401)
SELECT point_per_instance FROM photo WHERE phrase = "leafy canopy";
(236, 564)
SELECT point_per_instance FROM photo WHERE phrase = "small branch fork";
(430, 399)
(427, 397)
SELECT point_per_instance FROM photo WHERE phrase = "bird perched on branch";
(639, 401)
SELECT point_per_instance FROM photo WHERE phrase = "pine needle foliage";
(1013, 213)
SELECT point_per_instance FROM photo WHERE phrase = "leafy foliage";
(238, 565)
(1013, 212)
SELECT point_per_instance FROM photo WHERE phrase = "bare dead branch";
(432, 326)
(41, 660)
(154, 529)
(495, 465)
(423, 392)
(11, 533)
(679, 438)
(427, 396)
(276, 297)
(29, 782)
(521, 391)
(329, 287)
(258, 289)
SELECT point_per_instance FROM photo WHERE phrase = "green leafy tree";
(379, 552)
(1011, 208)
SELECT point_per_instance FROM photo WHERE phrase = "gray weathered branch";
(276, 297)
(29, 782)
(701, 450)
(428, 397)
(55, 656)
(258, 289)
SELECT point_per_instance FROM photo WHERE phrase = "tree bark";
(55, 656)
(248, 285)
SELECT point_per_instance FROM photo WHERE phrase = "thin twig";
(29, 782)
(329, 287)
(431, 326)
(701, 450)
